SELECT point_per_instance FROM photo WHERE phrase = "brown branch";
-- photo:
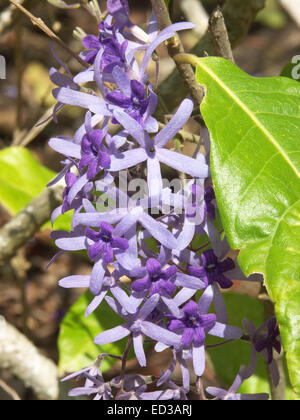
(219, 35)
(175, 47)
(38, 22)
(39, 126)
(238, 15)
(22, 358)
(19, 71)
(22, 227)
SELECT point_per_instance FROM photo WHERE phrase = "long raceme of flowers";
(173, 298)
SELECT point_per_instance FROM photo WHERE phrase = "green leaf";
(254, 124)
(22, 178)
(76, 338)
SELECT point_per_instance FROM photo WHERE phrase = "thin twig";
(39, 22)
(175, 47)
(125, 356)
(239, 15)
(40, 125)
(200, 389)
(11, 392)
(219, 35)
(19, 70)
(214, 346)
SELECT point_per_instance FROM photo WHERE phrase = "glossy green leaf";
(76, 338)
(22, 178)
(255, 126)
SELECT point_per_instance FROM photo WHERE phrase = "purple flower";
(193, 326)
(157, 280)
(138, 325)
(114, 54)
(85, 150)
(136, 104)
(111, 283)
(264, 344)
(232, 393)
(181, 358)
(70, 181)
(76, 204)
(206, 199)
(270, 341)
(209, 197)
(153, 152)
(119, 9)
(117, 6)
(174, 392)
(213, 270)
(93, 45)
(104, 243)
(93, 154)
(94, 384)
(127, 215)
(102, 246)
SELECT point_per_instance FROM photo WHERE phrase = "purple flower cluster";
(172, 286)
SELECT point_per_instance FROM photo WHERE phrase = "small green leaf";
(255, 125)
(76, 338)
(22, 178)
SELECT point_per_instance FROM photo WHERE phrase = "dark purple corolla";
(135, 104)
(119, 9)
(193, 326)
(93, 154)
(212, 270)
(76, 203)
(102, 245)
(264, 340)
(268, 343)
(156, 280)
